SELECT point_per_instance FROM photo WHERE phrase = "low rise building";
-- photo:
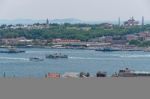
(131, 37)
(65, 41)
(144, 35)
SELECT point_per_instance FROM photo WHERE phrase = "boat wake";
(83, 58)
(38, 51)
(135, 56)
(115, 57)
(10, 58)
(129, 55)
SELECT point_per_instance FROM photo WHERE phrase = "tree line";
(83, 32)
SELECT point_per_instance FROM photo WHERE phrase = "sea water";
(19, 65)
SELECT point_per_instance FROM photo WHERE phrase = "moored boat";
(101, 74)
(71, 75)
(131, 73)
(53, 75)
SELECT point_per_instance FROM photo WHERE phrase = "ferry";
(56, 56)
(131, 73)
(12, 50)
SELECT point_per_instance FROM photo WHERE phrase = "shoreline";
(46, 47)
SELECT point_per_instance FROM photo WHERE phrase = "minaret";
(143, 21)
(132, 19)
(119, 21)
(47, 23)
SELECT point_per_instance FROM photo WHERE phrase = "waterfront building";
(131, 37)
(16, 41)
(144, 35)
(119, 42)
(65, 41)
(108, 39)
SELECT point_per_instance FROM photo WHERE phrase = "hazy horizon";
(87, 10)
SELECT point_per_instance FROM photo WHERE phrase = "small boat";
(71, 75)
(53, 75)
(12, 50)
(56, 56)
(84, 75)
(131, 73)
(36, 59)
(101, 74)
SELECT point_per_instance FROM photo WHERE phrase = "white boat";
(131, 73)
(71, 75)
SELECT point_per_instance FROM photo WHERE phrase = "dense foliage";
(83, 32)
(140, 43)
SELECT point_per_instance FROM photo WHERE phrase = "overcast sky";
(81, 9)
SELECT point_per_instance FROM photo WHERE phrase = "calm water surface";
(79, 60)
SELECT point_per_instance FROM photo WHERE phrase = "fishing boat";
(131, 73)
(56, 56)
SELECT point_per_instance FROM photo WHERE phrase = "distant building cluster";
(144, 36)
(15, 41)
(131, 22)
(95, 42)
(65, 41)
(27, 26)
